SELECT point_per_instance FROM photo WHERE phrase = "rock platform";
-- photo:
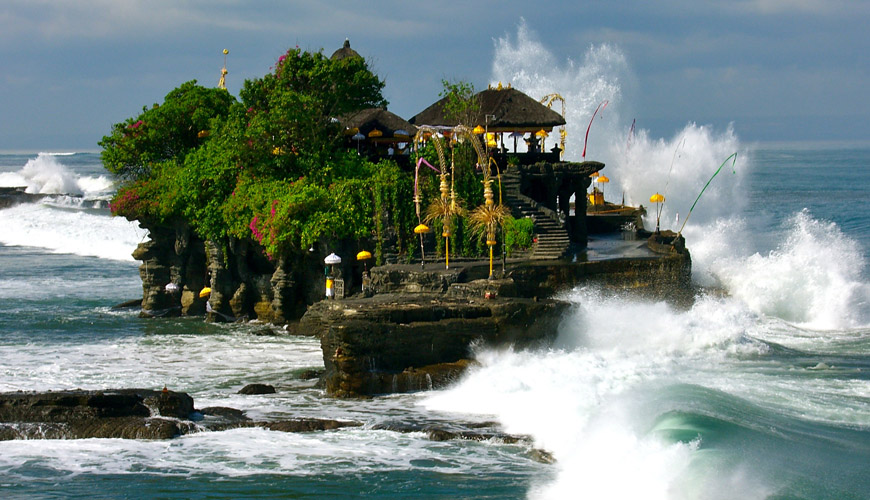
(416, 326)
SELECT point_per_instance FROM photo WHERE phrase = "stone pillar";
(157, 255)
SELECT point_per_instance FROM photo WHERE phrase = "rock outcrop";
(399, 343)
(128, 414)
(244, 283)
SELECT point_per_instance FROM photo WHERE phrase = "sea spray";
(592, 400)
(67, 229)
(527, 65)
(636, 168)
(813, 278)
(47, 174)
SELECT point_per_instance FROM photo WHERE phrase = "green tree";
(461, 106)
(166, 132)
(291, 126)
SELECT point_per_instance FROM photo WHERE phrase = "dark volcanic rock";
(252, 389)
(308, 425)
(126, 413)
(224, 413)
(297, 425)
(399, 343)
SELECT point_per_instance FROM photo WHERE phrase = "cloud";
(770, 7)
(50, 20)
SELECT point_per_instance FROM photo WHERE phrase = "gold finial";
(222, 83)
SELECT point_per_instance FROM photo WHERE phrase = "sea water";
(760, 389)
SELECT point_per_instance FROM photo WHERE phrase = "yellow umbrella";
(656, 198)
(375, 133)
(205, 292)
(364, 255)
(478, 130)
(542, 135)
(421, 230)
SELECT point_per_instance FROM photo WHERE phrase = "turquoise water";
(762, 391)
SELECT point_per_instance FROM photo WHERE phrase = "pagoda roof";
(344, 52)
(513, 111)
(369, 119)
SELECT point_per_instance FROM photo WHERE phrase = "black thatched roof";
(377, 118)
(344, 52)
(513, 111)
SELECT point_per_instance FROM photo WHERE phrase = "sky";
(775, 70)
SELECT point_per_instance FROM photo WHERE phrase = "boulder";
(253, 389)
(125, 413)
(407, 342)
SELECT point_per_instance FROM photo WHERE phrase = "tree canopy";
(271, 165)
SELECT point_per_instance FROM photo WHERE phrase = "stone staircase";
(553, 240)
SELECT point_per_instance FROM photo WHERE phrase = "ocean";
(759, 390)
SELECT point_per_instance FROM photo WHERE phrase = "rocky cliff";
(244, 282)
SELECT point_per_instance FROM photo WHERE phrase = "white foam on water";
(255, 451)
(74, 231)
(46, 174)
(196, 363)
(590, 400)
(811, 279)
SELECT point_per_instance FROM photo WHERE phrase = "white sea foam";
(253, 451)
(812, 278)
(45, 174)
(61, 230)
(591, 400)
(809, 274)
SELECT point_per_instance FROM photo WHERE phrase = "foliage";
(517, 234)
(460, 105)
(289, 121)
(271, 165)
(164, 132)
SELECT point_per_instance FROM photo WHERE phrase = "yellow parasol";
(422, 229)
(364, 255)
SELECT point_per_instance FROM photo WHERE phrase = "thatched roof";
(513, 111)
(344, 52)
(377, 118)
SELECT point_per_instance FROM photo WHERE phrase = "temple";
(535, 182)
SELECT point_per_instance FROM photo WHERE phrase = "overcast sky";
(793, 70)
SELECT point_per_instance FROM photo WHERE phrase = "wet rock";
(297, 425)
(225, 413)
(253, 389)
(310, 374)
(308, 425)
(125, 413)
(409, 342)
